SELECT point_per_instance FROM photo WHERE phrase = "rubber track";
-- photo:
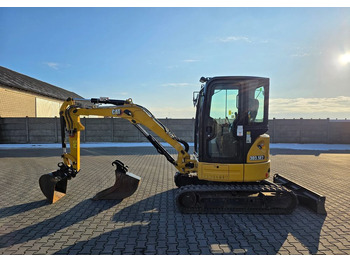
(202, 190)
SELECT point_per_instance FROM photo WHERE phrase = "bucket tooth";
(125, 184)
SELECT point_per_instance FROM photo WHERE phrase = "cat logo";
(116, 112)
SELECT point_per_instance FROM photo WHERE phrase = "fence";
(323, 131)
(47, 130)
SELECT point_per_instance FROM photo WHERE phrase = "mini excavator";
(228, 170)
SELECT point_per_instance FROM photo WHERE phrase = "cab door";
(222, 124)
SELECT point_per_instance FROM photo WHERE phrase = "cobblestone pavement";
(149, 223)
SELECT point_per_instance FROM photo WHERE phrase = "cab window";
(256, 106)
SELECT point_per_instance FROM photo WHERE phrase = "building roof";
(19, 81)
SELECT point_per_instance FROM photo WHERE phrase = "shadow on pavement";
(14, 210)
(144, 229)
(80, 212)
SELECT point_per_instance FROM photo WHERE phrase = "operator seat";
(253, 107)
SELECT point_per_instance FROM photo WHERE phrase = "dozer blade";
(53, 187)
(306, 197)
(125, 184)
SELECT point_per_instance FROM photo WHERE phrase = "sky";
(156, 55)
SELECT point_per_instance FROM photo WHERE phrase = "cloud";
(177, 85)
(330, 107)
(190, 60)
(300, 55)
(52, 65)
(235, 39)
(264, 41)
(334, 107)
(56, 66)
(122, 93)
(173, 112)
(172, 66)
(300, 52)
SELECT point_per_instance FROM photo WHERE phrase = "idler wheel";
(188, 199)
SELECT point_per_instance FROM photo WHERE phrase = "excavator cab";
(232, 113)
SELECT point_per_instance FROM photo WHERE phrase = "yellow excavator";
(228, 170)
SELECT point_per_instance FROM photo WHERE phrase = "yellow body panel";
(233, 172)
(257, 167)
(220, 172)
(256, 172)
(260, 150)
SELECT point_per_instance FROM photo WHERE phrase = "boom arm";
(70, 113)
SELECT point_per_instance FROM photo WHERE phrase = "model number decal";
(254, 158)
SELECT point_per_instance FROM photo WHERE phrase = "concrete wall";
(29, 130)
(317, 131)
(47, 130)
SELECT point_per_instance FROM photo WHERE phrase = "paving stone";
(149, 223)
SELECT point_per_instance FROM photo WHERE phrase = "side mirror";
(195, 97)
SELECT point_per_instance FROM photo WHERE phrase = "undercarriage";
(264, 197)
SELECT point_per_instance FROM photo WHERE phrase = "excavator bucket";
(125, 184)
(53, 186)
